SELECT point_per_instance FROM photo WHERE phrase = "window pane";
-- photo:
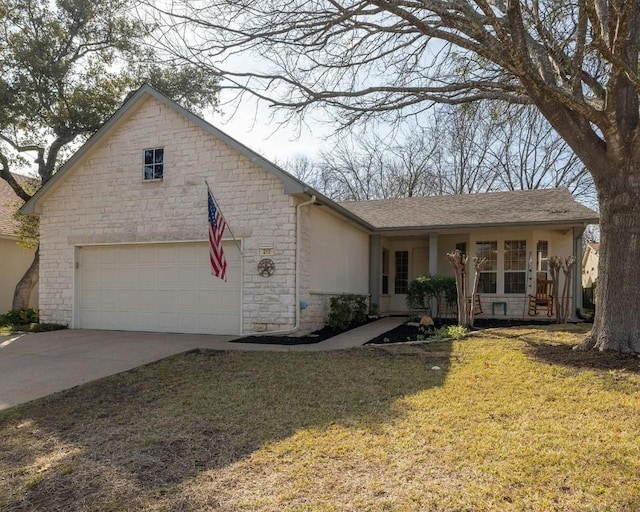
(402, 271)
(515, 255)
(542, 256)
(514, 282)
(488, 250)
(385, 285)
(153, 164)
(487, 282)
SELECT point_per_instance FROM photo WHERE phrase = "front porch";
(516, 259)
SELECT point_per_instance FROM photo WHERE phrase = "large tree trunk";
(25, 286)
(617, 321)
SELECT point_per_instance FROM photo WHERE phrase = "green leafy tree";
(65, 67)
(576, 61)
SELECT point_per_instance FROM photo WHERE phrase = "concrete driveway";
(38, 364)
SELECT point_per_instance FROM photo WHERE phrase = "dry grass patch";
(369, 429)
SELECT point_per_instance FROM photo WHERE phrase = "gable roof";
(292, 185)
(551, 206)
(520, 207)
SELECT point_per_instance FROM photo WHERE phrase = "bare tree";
(576, 61)
(360, 167)
(527, 153)
(464, 136)
(461, 149)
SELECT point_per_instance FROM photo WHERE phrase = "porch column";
(433, 254)
(375, 269)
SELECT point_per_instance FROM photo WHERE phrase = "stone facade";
(104, 200)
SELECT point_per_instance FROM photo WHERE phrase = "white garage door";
(157, 287)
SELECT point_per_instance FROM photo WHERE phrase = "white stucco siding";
(104, 200)
(590, 267)
(447, 244)
(335, 261)
(339, 257)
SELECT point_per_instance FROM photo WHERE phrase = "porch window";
(488, 276)
(515, 266)
(542, 259)
(402, 272)
(385, 271)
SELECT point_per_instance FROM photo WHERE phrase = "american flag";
(216, 228)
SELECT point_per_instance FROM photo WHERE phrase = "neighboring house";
(14, 260)
(590, 260)
(124, 242)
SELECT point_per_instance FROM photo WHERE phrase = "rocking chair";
(542, 298)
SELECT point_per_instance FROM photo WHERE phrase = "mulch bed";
(315, 337)
(410, 332)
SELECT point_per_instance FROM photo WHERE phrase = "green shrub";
(454, 332)
(423, 289)
(347, 310)
(20, 317)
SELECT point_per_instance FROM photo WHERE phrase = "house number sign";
(266, 267)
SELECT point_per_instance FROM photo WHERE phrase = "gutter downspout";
(296, 325)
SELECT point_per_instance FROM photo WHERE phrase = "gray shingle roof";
(542, 206)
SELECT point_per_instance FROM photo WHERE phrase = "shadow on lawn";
(132, 438)
(562, 354)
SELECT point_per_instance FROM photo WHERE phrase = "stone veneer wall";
(104, 200)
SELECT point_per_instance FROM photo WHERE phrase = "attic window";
(153, 164)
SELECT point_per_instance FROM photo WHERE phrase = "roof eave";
(324, 200)
(443, 227)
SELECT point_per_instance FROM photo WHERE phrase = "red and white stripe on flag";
(216, 229)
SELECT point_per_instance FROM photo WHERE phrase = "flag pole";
(238, 245)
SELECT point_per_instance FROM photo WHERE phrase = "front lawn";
(502, 425)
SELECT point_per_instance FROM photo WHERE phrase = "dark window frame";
(401, 278)
(153, 164)
(385, 272)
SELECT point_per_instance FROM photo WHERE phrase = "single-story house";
(124, 235)
(15, 259)
(590, 259)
